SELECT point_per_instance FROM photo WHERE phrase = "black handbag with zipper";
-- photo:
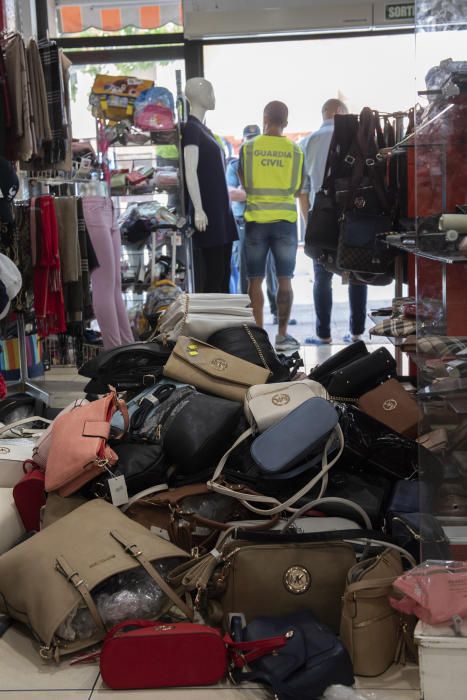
(127, 367)
(252, 344)
(363, 374)
(324, 372)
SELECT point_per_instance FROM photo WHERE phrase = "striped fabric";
(9, 357)
(75, 16)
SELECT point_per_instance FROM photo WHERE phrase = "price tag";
(118, 490)
(178, 240)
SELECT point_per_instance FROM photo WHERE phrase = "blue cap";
(250, 131)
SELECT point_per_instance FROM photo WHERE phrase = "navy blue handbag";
(312, 660)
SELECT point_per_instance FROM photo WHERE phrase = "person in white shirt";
(316, 148)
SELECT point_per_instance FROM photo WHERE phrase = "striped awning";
(75, 16)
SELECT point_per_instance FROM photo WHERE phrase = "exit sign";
(400, 11)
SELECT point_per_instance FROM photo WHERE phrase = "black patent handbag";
(252, 344)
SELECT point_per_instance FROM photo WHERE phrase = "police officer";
(271, 171)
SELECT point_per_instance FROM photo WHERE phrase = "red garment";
(3, 388)
(48, 293)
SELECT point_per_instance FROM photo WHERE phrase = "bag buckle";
(133, 550)
(370, 161)
(148, 376)
(350, 160)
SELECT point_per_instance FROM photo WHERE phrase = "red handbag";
(29, 497)
(141, 654)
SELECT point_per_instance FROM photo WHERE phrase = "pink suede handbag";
(78, 448)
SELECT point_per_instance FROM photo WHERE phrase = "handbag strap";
(370, 586)
(24, 421)
(73, 577)
(133, 550)
(149, 402)
(257, 347)
(314, 505)
(277, 507)
(243, 653)
(141, 494)
(122, 407)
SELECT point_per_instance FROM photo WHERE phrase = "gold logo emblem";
(219, 364)
(4, 450)
(297, 580)
(280, 399)
(390, 404)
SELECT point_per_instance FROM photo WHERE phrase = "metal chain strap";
(258, 349)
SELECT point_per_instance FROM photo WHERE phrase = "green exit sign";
(400, 11)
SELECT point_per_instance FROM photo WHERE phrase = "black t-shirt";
(215, 199)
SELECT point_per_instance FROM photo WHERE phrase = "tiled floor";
(24, 676)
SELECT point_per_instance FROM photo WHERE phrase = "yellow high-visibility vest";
(272, 174)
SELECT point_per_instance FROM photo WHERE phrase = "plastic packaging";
(129, 595)
(343, 692)
(434, 591)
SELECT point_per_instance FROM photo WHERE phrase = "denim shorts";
(279, 237)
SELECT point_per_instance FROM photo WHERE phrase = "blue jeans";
(279, 238)
(322, 296)
(240, 261)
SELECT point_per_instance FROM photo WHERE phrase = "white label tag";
(118, 490)
(160, 532)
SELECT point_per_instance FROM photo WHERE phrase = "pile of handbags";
(278, 507)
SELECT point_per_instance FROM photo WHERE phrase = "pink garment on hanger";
(107, 300)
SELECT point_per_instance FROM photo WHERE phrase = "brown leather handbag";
(212, 370)
(371, 630)
(180, 514)
(392, 405)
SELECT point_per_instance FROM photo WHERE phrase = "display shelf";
(449, 259)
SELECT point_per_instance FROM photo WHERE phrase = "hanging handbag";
(322, 230)
(79, 449)
(362, 375)
(324, 372)
(252, 344)
(126, 367)
(312, 660)
(214, 371)
(46, 577)
(371, 630)
(359, 248)
(201, 315)
(393, 406)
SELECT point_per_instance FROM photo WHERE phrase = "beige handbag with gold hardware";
(45, 578)
(210, 369)
(371, 630)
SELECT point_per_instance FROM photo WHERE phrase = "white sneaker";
(286, 342)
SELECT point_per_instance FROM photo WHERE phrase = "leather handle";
(129, 623)
(73, 577)
(133, 551)
(251, 651)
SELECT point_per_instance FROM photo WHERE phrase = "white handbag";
(201, 315)
(11, 527)
(267, 404)
(13, 452)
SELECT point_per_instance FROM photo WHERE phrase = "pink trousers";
(107, 300)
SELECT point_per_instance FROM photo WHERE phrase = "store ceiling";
(76, 16)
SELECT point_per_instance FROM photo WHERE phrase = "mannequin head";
(200, 94)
